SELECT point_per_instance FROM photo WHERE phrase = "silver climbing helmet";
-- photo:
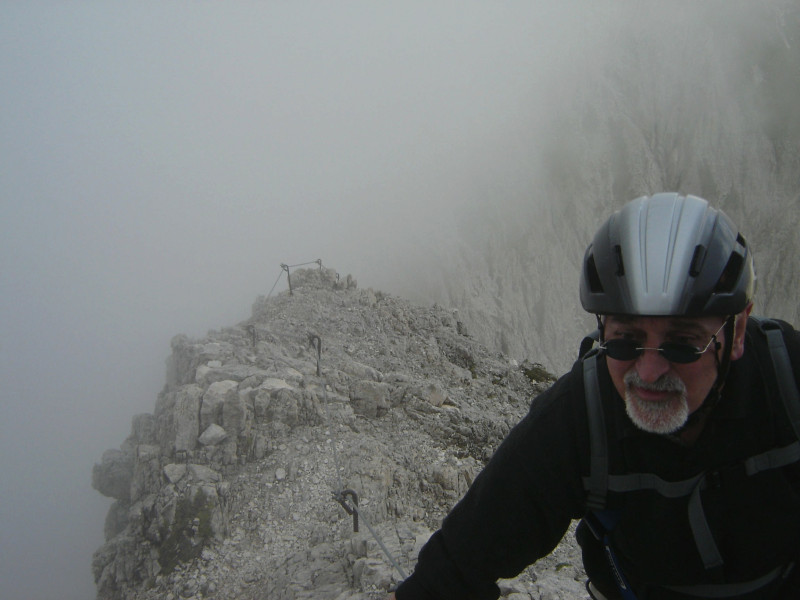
(664, 255)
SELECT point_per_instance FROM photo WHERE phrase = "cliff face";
(698, 99)
(229, 488)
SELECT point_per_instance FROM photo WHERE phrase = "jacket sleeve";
(517, 509)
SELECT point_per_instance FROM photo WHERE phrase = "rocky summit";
(310, 451)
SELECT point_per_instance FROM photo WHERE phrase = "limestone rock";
(273, 384)
(372, 574)
(203, 474)
(174, 473)
(112, 477)
(213, 435)
(214, 400)
(361, 371)
(143, 429)
(146, 472)
(236, 418)
(116, 519)
(370, 398)
(436, 395)
(177, 419)
(225, 491)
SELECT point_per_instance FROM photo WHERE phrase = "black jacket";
(521, 504)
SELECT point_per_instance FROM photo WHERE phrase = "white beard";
(663, 416)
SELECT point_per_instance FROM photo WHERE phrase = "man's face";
(660, 395)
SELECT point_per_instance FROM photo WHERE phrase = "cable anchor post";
(316, 343)
(285, 267)
(341, 498)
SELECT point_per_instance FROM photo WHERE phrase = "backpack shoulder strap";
(588, 342)
(782, 367)
(596, 484)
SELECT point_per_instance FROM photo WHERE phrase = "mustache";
(665, 383)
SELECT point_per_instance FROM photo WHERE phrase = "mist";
(160, 162)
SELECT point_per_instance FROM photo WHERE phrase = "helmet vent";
(620, 264)
(697, 260)
(730, 275)
(592, 277)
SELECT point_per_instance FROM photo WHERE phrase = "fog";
(158, 164)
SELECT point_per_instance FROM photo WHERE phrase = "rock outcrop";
(266, 435)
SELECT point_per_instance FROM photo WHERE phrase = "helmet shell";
(667, 255)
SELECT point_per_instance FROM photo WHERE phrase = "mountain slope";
(225, 491)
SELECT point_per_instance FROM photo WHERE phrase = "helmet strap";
(600, 327)
(723, 366)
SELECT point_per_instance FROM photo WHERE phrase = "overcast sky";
(159, 161)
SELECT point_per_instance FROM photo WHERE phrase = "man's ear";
(738, 334)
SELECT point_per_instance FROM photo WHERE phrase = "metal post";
(285, 267)
(341, 498)
(316, 342)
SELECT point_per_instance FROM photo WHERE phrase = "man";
(675, 441)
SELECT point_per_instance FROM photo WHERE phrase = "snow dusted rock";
(236, 486)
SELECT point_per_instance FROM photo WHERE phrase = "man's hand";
(391, 597)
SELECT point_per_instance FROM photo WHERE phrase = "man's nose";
(651, 365)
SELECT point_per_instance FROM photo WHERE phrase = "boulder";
(370, 399)
(177, 419)
(213, 401)
(362, 371)
(436, 395)
(213, 435)
(284, 407)
(174, 472)
(203, 474)
(236, 418)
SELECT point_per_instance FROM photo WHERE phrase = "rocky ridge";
(229, 489)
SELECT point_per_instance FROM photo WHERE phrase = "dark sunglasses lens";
(679, 353)
(673, 351)
(622, 349)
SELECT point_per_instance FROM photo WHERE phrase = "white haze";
(158, 162)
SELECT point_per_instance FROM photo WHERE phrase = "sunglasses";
(675, 352)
